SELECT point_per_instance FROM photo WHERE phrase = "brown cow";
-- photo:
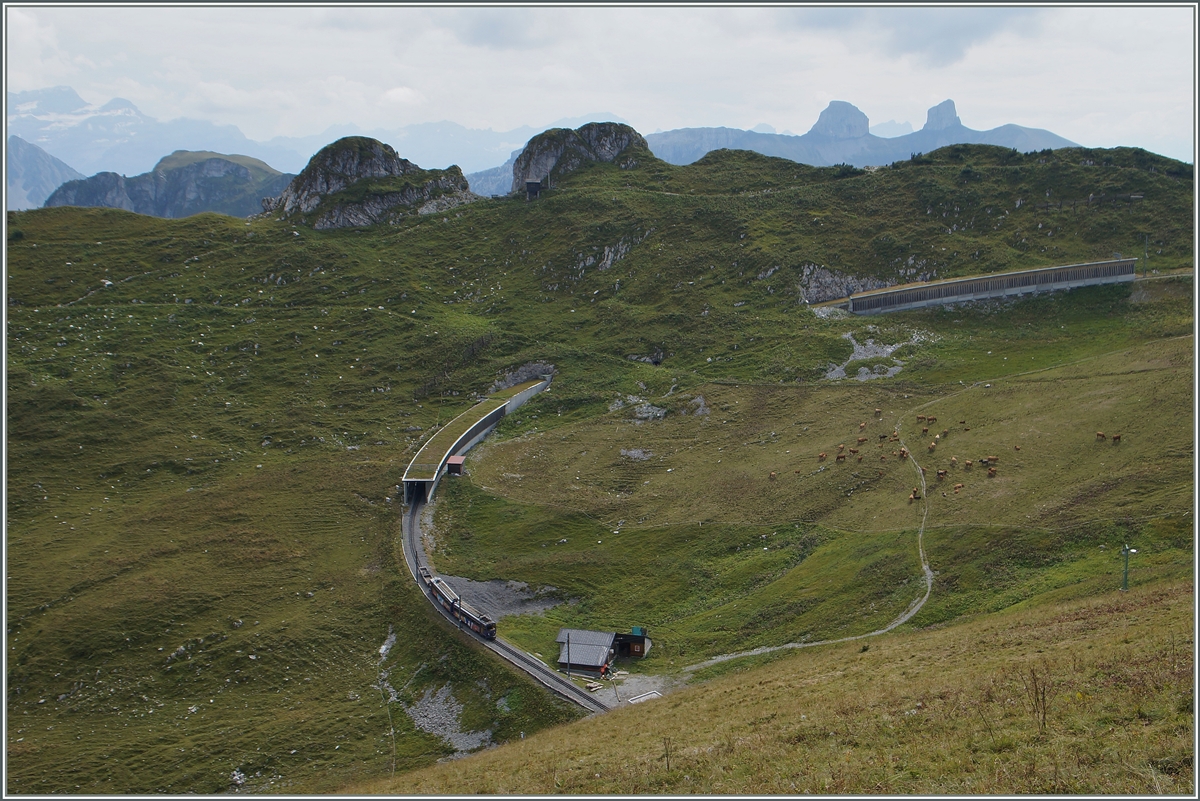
(962, 422)
(878, 412)
(882, 457)
(860, 458)
(991, 472)
(1100, 435)
(932, 445)
(821, 456)
(861, 426)
(957, 487)
(1116, 438)
(904, 453)
(883, 436)
(966, 429)
(945, 432)
(772, 476)
(967, 464)
(841, 457)
(931, 419)
(942, 474)
(841, 447)
(854, 450)
(925, 429)
(920, 417)
(1016, 447)
(993, 458)
(861, 440)
(916, 493)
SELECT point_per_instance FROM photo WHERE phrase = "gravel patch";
(499, 598)
(439, 713)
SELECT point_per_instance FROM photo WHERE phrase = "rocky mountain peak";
(559, 151)
(337, 166)
(943, 115)
(842, 120)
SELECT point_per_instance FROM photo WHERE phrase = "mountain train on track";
(478, 622)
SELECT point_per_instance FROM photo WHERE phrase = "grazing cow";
(966, 429)
(860, 458)
(841, 447)
(920, 417)
(941, 474)
(1016, 447)
(954, 460)
(772, 476)
(991, 472)
(882, 457)
(821, 456)
(937, 437)
(993, 459)
(1116, 438)
(925, 429)
(878, 412)
(797, 472)
(861, 440)
(1100, 435)
(932, 445)
(962, 422)
(922, 471)
(883, 436)
(841, 457)
(967, 464)
(945, 432)
(854, 450)
(861, 426)
(916, 493)
(930, 419)
(957, 487)
(904, 453)
(911, 497)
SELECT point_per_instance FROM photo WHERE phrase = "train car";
(480, 623)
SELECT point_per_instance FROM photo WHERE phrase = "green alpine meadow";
(208, 421)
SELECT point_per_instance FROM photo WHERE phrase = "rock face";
(182, 184)
(819, 284)
(32, 174)
(942, 116)
(559, 151)
(358, 181)
(841, 120)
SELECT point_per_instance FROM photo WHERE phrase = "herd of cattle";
(989, 462)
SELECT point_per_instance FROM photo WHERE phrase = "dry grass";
(944, 711)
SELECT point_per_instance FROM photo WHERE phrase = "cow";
(993, 459)
(930, 419)
(841, 457)
(860, 458)
(862, 425)
(962, 422)
(854, 450)
(883, 457)
(932, 445)
(821, 456)
(941, 474)
(966, 429)
(991, 472)
(879, 412)
(957, 487)
(937, 437)
(916, 493)
(1100, 435)
(920, 418)
(772, 476)
(967, 464)
(841, 447)
(904, 453)
(861, 440)
(925, 429)
(797, 472)
(945, 432)
(954, 461)
(1016, 447)
(883, 436)
(1116, 438)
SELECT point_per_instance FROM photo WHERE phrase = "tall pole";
(568, 654)
(1126, 550)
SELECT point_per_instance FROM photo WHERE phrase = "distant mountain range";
(180, 185)
(32, 174)
(54, 133)
(842, 136)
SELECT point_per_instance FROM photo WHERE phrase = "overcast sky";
(1101, 76)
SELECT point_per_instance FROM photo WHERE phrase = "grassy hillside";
(207, 419)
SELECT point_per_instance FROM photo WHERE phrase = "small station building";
(592, 652)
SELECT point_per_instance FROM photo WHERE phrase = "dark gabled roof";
(585, 637)
(584, 655)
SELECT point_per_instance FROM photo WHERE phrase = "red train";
(480, 623)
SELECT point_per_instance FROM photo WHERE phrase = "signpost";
(1126, 550)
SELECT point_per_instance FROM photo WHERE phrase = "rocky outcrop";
(559, 151)
(841, 120)
(182, 184)
(358, 181)
(819, 284)
(942, 116)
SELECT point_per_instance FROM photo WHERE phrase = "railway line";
(538, 670)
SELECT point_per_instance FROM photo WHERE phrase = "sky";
(1101, 76)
